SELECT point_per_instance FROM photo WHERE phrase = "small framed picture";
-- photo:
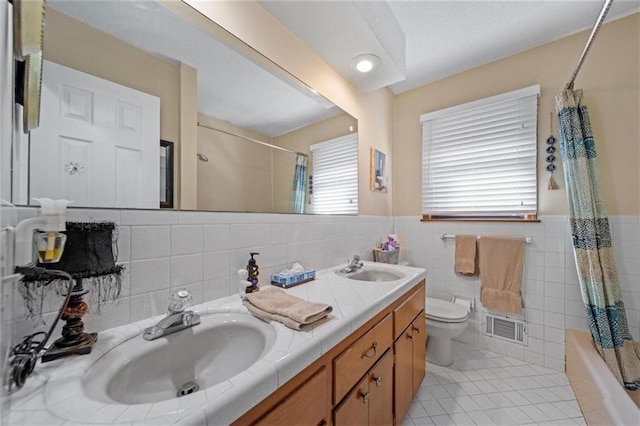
(378, 180)
(166, 174)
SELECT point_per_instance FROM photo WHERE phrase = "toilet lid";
(441, 310)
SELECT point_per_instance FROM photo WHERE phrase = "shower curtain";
(299, 182)
(592, 245)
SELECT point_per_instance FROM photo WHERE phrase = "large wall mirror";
(118, 74)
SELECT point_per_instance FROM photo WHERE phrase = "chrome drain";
(187, 389)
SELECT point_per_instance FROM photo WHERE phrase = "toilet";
(445, 321)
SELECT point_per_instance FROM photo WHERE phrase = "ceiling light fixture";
(365, 63)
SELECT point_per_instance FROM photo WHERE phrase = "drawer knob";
(377, 380)
(365, 397)
(416, 329)
(409, 336)
(371, 352)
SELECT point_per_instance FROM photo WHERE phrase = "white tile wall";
(202, 251)
(163, 250)
(551, 290)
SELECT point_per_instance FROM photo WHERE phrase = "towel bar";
(527, 240)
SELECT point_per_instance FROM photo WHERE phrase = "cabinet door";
(403, 348)
(381, 391)
(407, 311)
(354, 409)
(419, 351)
(307, 405)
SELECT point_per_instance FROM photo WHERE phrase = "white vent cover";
(506, 329)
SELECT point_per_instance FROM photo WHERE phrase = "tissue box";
(286, 281)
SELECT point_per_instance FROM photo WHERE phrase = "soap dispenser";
(252, 269)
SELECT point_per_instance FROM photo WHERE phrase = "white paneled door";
(98, 142)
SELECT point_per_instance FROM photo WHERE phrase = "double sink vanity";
(362, 366)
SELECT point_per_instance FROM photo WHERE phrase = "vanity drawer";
(353, 362)
(404, 314)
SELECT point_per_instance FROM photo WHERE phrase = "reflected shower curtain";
(592, 245)
(299, 183)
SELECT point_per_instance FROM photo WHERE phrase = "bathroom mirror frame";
(249, 54)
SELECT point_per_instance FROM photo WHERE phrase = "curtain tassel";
(551, 184)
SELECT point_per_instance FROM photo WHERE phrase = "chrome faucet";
(353, 265)
(177, 318)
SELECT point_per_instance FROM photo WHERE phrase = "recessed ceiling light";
(365, 63)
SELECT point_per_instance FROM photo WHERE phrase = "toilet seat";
(443, 311)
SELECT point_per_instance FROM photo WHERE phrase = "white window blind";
(479, 159)
(335, 175)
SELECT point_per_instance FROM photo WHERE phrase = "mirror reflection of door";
(98, 143)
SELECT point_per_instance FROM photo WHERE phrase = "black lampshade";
(89, 252)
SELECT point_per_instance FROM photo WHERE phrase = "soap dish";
(286, 281)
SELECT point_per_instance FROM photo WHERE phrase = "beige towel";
(466, 259)
(271, 303)
(501, 261)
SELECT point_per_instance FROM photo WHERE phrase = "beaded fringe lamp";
(89, 257)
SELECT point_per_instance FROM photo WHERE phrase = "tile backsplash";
(202, 251)
(550, 284)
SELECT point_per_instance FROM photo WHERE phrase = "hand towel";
(290, 310)
(501, 261)
(267, 316)
(466, 259)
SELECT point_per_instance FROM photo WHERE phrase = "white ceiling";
(418, 41)
(442, 37)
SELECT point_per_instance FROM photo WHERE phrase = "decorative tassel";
(551, 158)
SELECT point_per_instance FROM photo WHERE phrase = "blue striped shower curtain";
(299, 184)
(592, 244)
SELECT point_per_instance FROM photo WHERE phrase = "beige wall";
(254, 26)
(610, 78)
(299, 140)
(238, 176)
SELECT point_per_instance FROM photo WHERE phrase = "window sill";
(528, 219)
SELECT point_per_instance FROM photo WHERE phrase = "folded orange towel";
(271, 303)
(466, 259)
(501, 261)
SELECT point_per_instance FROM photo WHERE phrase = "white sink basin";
(374, 275)
(140, 371)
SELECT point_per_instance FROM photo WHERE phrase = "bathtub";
(602, 399)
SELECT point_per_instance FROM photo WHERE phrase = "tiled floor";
(484, 388)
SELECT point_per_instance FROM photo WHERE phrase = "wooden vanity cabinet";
(410, 365)
(410, 350)
(371, 401)
(353, 362)
(307, 405)
(357, 382)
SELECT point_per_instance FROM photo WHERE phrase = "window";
(479, 158)
(335, 175)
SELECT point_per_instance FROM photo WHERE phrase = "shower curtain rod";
(592, 36)
(252, 140)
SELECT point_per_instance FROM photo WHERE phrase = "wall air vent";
(506, 329)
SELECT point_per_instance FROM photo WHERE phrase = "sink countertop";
(53, 395)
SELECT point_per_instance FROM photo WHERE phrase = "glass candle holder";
(49, 246)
